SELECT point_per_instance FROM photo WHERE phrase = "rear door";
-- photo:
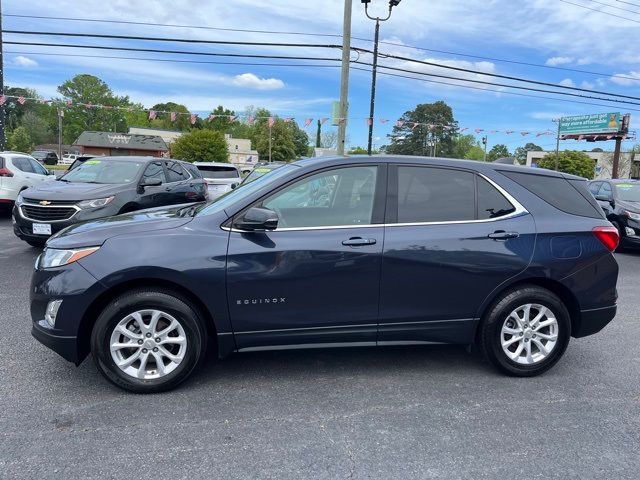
(178, 188)
(451, 237)
(153, 196)
(316, 278)
(27, 177)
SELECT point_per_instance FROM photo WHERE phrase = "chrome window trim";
(75, 207)
(519, 210)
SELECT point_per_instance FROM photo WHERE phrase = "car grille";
(57, 202)
(51, 213)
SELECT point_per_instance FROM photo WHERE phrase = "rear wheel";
(526, 331)
(148, 341)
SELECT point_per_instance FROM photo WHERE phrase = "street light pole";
(270, 141)
(557, 144)
(392, 3)
(344, 78)
(484, 140)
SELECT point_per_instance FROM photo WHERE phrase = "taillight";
(5, 172)
(609, 236)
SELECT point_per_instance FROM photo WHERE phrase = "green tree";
(134, 115)
(19, 140)
(475, 153)
(463, 144)
(300, 139)
(410, 140)
(37, 128)
(497, 151)
(163, 120)
(88, 89)
(14, 111)
(283, 148)
(521, 152)
(222, 121)
(358, 151)
(570, 161)
(201, 146)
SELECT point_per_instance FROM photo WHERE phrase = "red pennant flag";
(609, 137)
(173, 116)
(509, 132)
(323, 121)
(415, 124)
(88, 105)
(524, 134)
(369, 121)
(383, 121)
(21, 100)
(580, 137)
(493, 131)
(399, 123)
(478, 130)
(210, 117)
(69, 103)
(539, 133)
(446, 127)
(463, 129)
(271, 121)
(288, 119)
(3, 100)
(152, 114)
(194, 117)
(251, 120)
(308, 121)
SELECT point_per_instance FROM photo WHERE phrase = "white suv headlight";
(98, 202)
(52, 257)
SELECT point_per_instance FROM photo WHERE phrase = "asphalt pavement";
(401, 412)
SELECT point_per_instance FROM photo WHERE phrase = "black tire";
(496, 316)
(36, 243)
(141, 299)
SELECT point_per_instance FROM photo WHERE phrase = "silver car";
(220, 177)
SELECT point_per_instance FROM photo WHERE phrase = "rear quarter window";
(569, 196)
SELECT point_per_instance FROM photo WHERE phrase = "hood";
(96, 232)
(632, 206)
(68, 191)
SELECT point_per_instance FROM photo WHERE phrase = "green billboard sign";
(588, 124)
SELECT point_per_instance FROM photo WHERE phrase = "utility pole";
(2, 118)
(319, 135)
(344, 78)
(392, 3)
(558, 145)
(270, 140)
(616, 157)
(484, 141)
(60, 115)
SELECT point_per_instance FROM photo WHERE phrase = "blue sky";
(545, 32)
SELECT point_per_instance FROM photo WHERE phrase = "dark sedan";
(102, 187)
(620, 200)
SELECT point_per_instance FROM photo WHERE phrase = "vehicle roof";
(128, 158)
(214, 164)
(616, 180)
(445, 162)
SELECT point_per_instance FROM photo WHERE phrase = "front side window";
(37, 168)
(605, 190)
(154, 171)
(594, 187)
(428, 194)
(338, 197)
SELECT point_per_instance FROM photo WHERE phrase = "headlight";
(57, 258)
(98, 202)
(19, 199)
(634, 216)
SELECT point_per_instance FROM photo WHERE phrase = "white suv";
(19, 171)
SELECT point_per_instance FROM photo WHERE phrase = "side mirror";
(150, 182)
(257, 219)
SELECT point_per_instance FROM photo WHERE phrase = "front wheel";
(148, 341)
(526, 331)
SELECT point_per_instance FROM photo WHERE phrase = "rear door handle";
(502, 235)
(359, 242)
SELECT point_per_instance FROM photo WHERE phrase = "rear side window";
(559, 192)
(606, 190)
(435, 195)
(491, 203)
(175, 172)
(594, 187)
(23, 164)
(154, 171)
(193, 170)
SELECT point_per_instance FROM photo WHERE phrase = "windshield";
(257, 173)
(628, 192)
(243, 190)
(218, 172)
(104, 171)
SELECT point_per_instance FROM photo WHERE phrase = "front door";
(315, 279)
(451, 238)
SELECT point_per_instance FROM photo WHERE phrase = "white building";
(629, 165)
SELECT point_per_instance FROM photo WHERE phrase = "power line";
(279, 32)
(629, 3)
(608, 5)
(600, 11)
(175, 60)
(307, 45)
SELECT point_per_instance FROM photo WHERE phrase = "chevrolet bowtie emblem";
(45, 202)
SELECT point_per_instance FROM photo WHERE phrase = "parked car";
(400, 250)
(68, 158)
(261, 169)
(45, 157)
(80, 159)
(620, 201)
(102, 187)
(220, 177)
(18, 172)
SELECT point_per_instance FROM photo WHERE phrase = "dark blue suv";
(364, 250)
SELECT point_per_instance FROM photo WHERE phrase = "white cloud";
(567, 82)
(546, 115)
(251, 80)
(626, 79)
(586, 84)
(555, 61)
(26, 62)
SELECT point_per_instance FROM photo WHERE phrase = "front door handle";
(359, 242)
(502, 235)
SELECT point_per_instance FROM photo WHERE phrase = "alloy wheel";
(148, 344)
(529, 334)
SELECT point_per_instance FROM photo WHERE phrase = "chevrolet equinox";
(362, 250)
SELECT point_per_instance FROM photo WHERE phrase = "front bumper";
(65, 346)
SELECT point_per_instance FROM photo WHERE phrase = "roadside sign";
(588, 124)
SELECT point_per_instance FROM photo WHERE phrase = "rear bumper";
(594, 320)
(66, 347)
